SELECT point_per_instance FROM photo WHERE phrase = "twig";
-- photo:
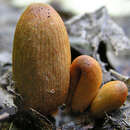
(11, 126)
(42, 116)
(120, 123)
(4, 116)
(121, 77)
(125, 123)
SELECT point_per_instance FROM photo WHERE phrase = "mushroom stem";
(86, 78)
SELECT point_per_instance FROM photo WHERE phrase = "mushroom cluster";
(44, 75)
(86, 79)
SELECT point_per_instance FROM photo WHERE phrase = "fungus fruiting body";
(86, 78)
(110, 97)
(43, 74)
(41, 58)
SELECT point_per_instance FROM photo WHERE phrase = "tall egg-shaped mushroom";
(41, 58)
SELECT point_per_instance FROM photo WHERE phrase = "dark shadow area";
(102, 50)
(74, 53)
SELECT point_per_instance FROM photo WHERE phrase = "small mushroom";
(86, 78)
(110, 97)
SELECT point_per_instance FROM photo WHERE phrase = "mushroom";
(41, 58)
(110, 97)
(86, 78)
